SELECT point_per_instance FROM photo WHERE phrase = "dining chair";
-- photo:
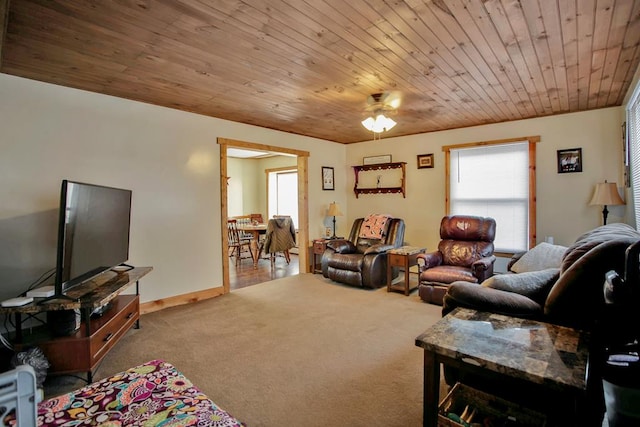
(280, 237)
(243, 220)
(237, 243)
(256, 218)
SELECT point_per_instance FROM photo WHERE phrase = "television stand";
(84, 349)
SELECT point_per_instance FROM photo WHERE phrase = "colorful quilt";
(374, 226)
(152, 394)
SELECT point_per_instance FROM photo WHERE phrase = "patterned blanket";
(152, 394)
(374, 226)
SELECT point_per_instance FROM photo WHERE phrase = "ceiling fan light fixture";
(378, 124)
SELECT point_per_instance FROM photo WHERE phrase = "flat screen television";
(93, 232)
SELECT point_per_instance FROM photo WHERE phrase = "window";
(283, 194)
(496, 179)
(633, 118)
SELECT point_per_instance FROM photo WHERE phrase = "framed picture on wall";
(327, 178)
(425, 161)
(570, 160)
(375, 160)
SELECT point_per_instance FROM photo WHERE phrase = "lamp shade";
(378, 124)
(334, 210)
(606, 193)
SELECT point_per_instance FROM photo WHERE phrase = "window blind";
(283, 194)
(493, 181)
(633, 117)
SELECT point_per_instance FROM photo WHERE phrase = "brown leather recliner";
(362, 261)
(464, 253)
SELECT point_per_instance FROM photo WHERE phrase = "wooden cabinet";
(319, 246)
(404, 257)
(381, 189)
(83, 350)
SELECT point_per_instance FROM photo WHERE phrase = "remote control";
(15, 302)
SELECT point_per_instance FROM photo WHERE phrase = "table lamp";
(606, 193)
(334, 211)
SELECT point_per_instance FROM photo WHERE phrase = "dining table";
(255, 230)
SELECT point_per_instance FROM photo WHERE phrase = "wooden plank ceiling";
(307, 67)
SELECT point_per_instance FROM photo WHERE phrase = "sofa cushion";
(542, 256)
(444, 274)
(532, 284)
(482, 298)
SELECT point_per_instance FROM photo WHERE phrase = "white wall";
(562, 199)
(169, 158)
(236, 190)
(248, 183)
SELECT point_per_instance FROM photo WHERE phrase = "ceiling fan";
(379, 106)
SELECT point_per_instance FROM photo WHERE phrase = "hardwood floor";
(245, 275)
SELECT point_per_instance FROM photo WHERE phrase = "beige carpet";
(297, 351)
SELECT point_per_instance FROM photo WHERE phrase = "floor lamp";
(606, 193)
(334, 211)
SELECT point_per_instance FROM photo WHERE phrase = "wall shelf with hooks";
(379, 189)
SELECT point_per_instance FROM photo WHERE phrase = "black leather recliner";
(362, 261)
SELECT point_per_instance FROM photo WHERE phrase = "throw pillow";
(534, 284)
(541, 257)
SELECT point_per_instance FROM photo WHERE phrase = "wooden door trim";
(303, 206)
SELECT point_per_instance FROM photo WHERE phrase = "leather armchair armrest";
(483, 264)
(482, 269)
(483, 298)
(428, 260)
(378, 249)
(342, 246)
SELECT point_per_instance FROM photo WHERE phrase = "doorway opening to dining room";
(248, 192)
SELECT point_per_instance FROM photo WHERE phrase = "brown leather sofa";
(362, 261)
(572, 296)
(464, 253)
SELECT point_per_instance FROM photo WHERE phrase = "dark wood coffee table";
(549, 358)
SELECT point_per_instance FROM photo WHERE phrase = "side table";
(548, 360)
(319, 246)
(404, 257)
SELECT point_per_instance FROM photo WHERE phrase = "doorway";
(303, 210)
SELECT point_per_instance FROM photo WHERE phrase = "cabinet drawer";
(319, 247)
(126, 313)
(397, 260)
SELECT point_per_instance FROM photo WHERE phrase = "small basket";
(486, 406)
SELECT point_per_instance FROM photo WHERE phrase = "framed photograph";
(425, 161)
(327, 178)
(374, 160)
(570, 160)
